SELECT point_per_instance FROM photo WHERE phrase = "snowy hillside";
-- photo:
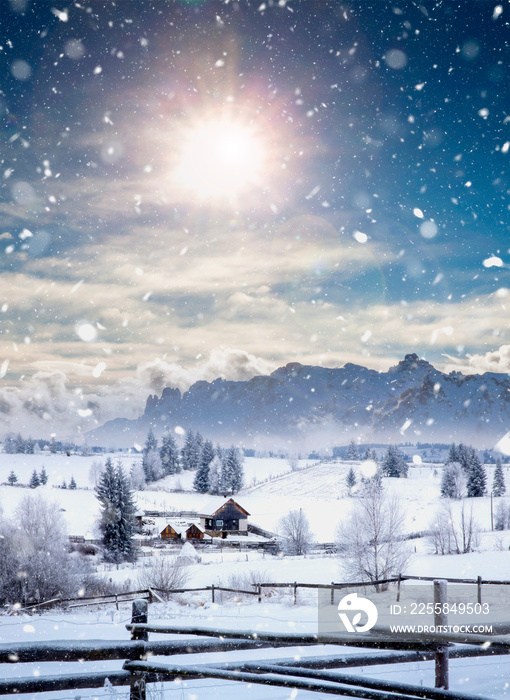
(272, 490)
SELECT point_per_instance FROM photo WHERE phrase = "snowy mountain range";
(311, 407)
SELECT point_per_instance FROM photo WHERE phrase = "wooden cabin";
(230, 518)
(194, 532)
(182, 530)
(169, 533)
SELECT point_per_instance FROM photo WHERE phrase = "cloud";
(227, 363)
(492, 361)
(47, 403)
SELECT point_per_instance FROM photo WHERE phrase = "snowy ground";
(273, 489)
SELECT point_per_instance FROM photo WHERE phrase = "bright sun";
(220, 159)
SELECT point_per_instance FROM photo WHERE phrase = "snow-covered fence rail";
(309, 673)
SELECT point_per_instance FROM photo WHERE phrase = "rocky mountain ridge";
(309, 406)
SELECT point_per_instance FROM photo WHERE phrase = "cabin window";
(219, 523)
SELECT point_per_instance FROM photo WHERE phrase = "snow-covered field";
(272, 490)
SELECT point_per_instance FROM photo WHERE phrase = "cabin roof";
(229, 502)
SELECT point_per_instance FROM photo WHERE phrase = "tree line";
(218, 470)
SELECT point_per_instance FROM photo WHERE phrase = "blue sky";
(354, 206)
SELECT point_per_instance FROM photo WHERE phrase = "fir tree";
(12, 478)
(34, 480)
(201, 481)
(106, 493)
(393, 464)
(214, 475)
(370, 455)
(63, 485)
(72, 483)
(9, 445)
(477, 478)
(352, 451)
(190, 454)
(498, 484)
(53, 446)
(453, 454)
(127, 509)
(452, 481)
(169, 455)
(350, 479)
(117, 513)
(463, 457)
(151, 462)
(19, 444)
(232, 471)
(43, 476)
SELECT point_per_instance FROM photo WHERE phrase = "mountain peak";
(410, 363)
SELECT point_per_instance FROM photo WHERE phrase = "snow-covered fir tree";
(393, 464)
(127, 509)
(43, 476)
(352, 452)
(34, 480)
(232, 473)
(190, 453)
(30, 446)
(498, 483)
(169, 455)
(151, 462)
(214, 475)
(118, 509)
(9, 444)
(201, 480)
(370, 455)
(12, 478)
(137, 476)
(477, 478)
(350, 479)
(453, 454)
(464, 456)
(19, 444)
(452, 481)
(72, 483)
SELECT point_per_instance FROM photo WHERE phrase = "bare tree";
(371, 542)
(36, 544)
(163, 573)
(296, 536)
(454, 533)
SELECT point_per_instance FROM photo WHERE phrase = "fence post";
(295, 592)
(137, 688)
(212, 593)
(139, 615)
(479, 589)
(332, 593)
(441, 618)
(398, 587)
(260, 593)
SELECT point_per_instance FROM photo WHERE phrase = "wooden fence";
(155, 594)
(322, 674)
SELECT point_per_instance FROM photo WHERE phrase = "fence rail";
(310, 674)
(152, 593)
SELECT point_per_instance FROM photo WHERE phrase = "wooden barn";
(229, 519)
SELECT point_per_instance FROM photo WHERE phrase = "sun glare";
(220, 159)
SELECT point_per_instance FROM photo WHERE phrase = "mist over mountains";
(311, 407)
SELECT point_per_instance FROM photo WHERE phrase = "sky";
(202, 188)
